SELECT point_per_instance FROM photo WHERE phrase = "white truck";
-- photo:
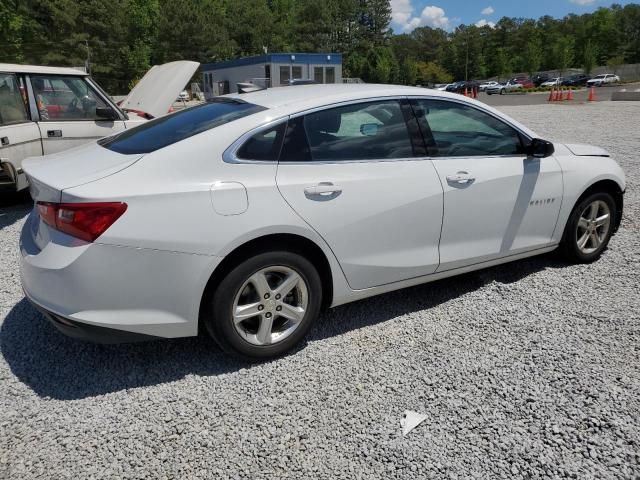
(45, 110)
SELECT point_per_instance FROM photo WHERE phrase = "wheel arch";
(613, 188)
(275, 241)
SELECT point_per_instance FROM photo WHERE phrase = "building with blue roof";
(271, 70)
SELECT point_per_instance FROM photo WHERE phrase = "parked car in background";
(524, 81)
(483, 86)
(441, 87)
(462, 86)
(553, 82)
(577, 80)
(540, 78)
(184, 96)
(45, 110)
(604, 79)
(288, 201)
(503, 88)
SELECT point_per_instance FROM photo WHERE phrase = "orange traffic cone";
(551, 93)
(556, 92)
(592, 94)
(475, 92)
(570, 95)
(466, 92)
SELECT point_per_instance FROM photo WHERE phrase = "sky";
(447, 14)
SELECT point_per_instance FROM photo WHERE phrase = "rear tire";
(589, 228)
(265, 305)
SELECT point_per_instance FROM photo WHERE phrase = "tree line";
(121, 39)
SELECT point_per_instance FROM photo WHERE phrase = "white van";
(45, 110)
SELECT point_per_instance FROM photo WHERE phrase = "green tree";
(589, 57)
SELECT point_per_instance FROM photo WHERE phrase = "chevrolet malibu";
(244, 217)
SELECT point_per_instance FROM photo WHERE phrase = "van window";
(13, 100)
(60, 97)
(167, 130)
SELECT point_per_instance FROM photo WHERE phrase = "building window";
(285, 75)
(318, 76)
(297, 72)
(330, 75)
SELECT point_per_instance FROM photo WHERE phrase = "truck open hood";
(587, 150)
(159, 88)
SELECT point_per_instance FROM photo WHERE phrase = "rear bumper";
(92, 290)
(90, 333)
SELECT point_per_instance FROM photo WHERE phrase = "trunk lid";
(51, 174)
(159, 88)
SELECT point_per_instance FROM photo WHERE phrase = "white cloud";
(488, 11)
(483, 22)
(431, 16)
(583, 2)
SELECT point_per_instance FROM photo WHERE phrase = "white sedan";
(485, 85)
(554, 82)
(244, 217)
(600, 80)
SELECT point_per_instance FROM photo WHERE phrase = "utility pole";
(87, 63)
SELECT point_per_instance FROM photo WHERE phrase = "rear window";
(167, 130)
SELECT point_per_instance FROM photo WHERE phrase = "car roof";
(16, 68)
(304, 97)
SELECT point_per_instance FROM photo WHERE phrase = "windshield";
(599, 76)
(167, 130)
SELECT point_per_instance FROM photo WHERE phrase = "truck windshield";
(167, 130)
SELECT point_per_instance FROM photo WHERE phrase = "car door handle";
(54, 133)
(4, 141)
(323, 188)
(461, 178)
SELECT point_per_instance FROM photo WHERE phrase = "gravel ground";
(529, 370)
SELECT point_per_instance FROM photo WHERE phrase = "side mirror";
(540, 148)
(106, 113)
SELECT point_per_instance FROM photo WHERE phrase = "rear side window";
(13, 99)
(173, 128)
(362, 131)
(264, 145)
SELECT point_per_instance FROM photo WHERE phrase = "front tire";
(265, 305)
(589, 228)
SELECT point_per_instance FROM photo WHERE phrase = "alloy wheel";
(270, 305)
(593, 226)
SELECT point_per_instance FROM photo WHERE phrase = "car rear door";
(19, 135)
(497, 200)
(68, 112)
(357, 174)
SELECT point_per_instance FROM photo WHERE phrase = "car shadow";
(13, 207)
(56, 366)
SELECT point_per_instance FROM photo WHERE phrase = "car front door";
(356, 173)
(19, 136)
(498, 201)
(71, 112)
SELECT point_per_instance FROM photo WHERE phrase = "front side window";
(61, 97)
(264, 145)
(362, 131)
(451, 129)
(13, 108)
(167, 130)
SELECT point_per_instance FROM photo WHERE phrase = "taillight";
(86, 221)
